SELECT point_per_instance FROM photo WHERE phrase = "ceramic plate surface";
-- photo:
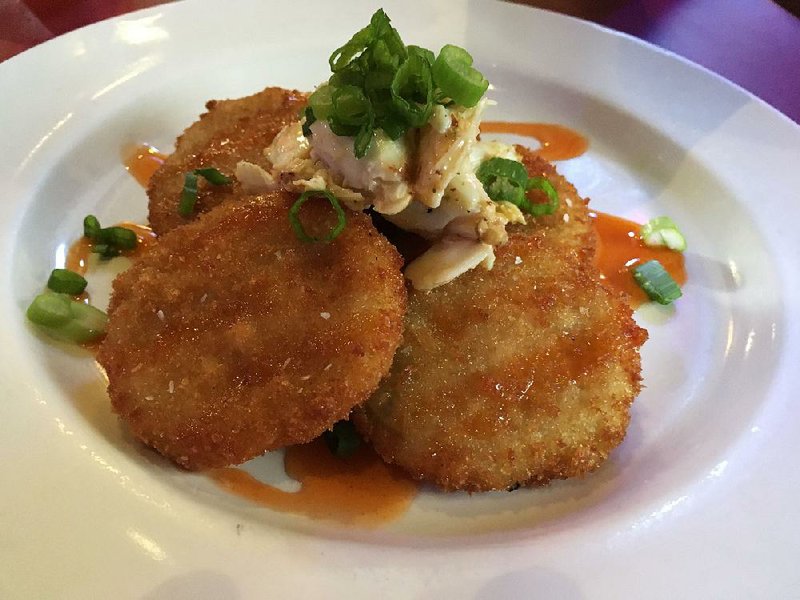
(701, 498)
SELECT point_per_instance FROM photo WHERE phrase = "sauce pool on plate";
(142, 161)
(80, 250)
(557, 142)
(619, 248)
(360, 489)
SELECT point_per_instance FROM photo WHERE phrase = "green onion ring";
(545, 208)
(189, 193)
(457, 78)
(65, 281)
(656, 282)
(297, 226)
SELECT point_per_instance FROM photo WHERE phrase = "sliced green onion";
(91, 227)
(49, 310)
(350, 106)
(656, 282)
(457, 78)
(120, 238)
(66, 282)
(297, 226)
(213, 176)
(189, 193)
(546, 208)
(424, 53)
(321, 102)
(308, 113)
(108, 241)
(342, 439)
(66, 319)
(412, 90)
(397, 85)
(662, 231)
(383, 31)
(497, 167)
(342, 56)
(363, 140)
(507, 180)
(106, 251)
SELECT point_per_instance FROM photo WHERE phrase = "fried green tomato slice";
(231, 337)
(230, 131)
(515, 376)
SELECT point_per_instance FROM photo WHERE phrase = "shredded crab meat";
(424, 182)
(442, 154)
(254, 178)
(380, 174)
(446, 260)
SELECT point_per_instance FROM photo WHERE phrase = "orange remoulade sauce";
(557, 142)
(142, 161)
(619, 248)
(360, 489)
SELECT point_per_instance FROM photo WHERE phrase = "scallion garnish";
(294, 216)
(91, 227)
(662, 231)
(656, 282)
(108, 241)
(544, 208)
(66, 282)
(380, 84)
(189, 193)
(457, 78)
(342, 439)
(412, 90)
(507, 180)
(66, 319)
(308, 113)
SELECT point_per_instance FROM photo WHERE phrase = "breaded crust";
(231, 130)
(231, 337)
(519, 375)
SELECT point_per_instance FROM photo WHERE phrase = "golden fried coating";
(231, 130)
(231, 337)
(518, 375)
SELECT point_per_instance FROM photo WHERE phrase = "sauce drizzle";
(81, 249)
(619, 248)
(558, 142)
(361, 489)
(142, 161)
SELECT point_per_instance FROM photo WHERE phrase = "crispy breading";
(231, 337)
(231, 130)
(518, 375)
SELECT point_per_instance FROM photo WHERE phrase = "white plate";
(701, 499)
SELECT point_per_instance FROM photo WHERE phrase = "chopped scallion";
(66, 319)
(297, 226)
(308, 113)
(213, 176)
(66, 282)
(91, 227)
(545, 208)
(412, 90)
(342, 439)
(457, 78)
(507, 180)
(656, 282)
(378, 83)
(108, 241)
(662, 231)
(189, 193)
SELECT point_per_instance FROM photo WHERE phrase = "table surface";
(754, 43)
